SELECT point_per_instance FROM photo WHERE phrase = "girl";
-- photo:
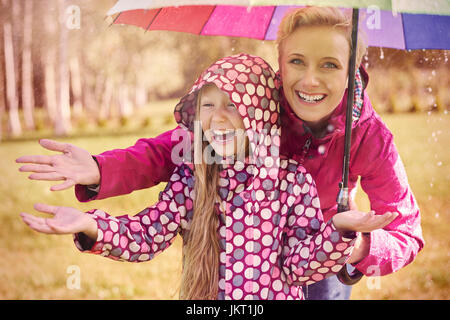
(314, 52)
(252, 228)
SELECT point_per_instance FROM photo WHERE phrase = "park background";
(66, 73)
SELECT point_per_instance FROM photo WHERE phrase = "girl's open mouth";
(223, 136)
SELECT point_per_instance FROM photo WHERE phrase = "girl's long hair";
(201, 250)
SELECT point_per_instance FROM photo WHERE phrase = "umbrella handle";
(343, 275)
(349, 279)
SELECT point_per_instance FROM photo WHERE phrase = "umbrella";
(382, 26)
(421, 24)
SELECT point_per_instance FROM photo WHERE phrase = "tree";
(27, 67)
(10, 72)
(62, 123)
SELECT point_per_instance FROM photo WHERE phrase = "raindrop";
(433, 73)
(321, 149)
(431, 184)
(232, 49)
(445, 56)
(436, 215)
(429, 113)
(429, 89)
(439, 163)
(330, 127)
(445, 111)
(381, 54)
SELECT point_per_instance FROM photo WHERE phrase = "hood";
(295, 130)
(251, 85)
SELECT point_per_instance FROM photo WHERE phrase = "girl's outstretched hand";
(355, 220)
(65, 220)
(74, 165)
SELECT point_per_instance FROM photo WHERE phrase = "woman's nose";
(310, 78)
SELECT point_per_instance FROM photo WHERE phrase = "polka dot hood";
(250, 83)
(273, 238)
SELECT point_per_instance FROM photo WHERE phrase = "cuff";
(88, 193)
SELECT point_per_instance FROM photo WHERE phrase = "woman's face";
(221, 121)
(313, 63)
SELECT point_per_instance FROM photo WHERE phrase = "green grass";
(34, 266)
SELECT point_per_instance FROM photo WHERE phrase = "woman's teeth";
(311, 98)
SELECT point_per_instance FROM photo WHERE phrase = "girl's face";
(221, 121)
(313, 63)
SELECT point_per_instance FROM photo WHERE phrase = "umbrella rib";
(403, 30)
(206, 21)
(270, 21)
(117, 17)
(151, 21)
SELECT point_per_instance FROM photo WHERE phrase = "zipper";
(305, 150)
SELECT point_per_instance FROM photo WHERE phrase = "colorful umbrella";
(236, 18)
(422, 24)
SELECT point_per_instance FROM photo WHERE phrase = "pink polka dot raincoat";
(272, 234)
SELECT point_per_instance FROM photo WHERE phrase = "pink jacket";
(272, 234)
(374, 158)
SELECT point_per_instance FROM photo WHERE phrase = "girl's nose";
(219, 114)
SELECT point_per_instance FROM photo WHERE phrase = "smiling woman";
(314, 63)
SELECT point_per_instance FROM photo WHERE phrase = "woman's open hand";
(65, 220)
(354, 220)
(75, 165)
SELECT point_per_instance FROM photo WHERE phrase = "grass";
(37, 266)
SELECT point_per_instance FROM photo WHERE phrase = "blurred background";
(66, 73)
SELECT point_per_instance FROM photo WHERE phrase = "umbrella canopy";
(380, 20)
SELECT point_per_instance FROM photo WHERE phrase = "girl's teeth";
(223, 135)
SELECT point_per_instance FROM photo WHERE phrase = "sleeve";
(139, 238)
(143, 165)
(312, 249)
(385, 181)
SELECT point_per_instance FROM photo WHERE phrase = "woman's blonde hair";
(320, 16)
(201, 250)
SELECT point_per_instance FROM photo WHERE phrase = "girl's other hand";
(75, 165)
(358, 221)
(65, 220)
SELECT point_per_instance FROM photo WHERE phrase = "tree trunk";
(11, 92)
(105, 106)
(141, 96)
(75, 77)
(125, 105)
(2, 91)
(62, 124)
(49, 61)
(27, 67)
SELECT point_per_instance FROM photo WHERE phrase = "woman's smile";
(310, 99)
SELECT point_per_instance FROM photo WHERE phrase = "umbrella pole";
(343, 197)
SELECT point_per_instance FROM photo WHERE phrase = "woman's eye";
(330, 65)
(296, 61)
(231, 105)
(207, 105)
